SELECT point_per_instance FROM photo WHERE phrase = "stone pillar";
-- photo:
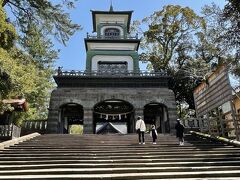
(87, 121)
(53, 121)
(172, 115)
(139, 112)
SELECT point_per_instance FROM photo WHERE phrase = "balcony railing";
(110, 73)
(111, 37)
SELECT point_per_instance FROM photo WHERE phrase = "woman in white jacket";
(141, 128)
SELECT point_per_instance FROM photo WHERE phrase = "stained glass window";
(108, 67)
(112, 33)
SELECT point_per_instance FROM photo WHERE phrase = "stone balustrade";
(60, 72)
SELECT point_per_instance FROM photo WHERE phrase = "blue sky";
(73, 56)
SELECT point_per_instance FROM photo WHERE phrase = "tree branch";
(17, 6)
(4, 2)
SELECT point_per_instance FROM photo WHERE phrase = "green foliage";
(231, 19)
(76, 129)
(210, 45)
(186, 79)
(215, 44)
(50, 17)
(169, 30)
(25, 79)
(168, 45)
(39, 47)
(186, 45)
(231, 14)
(7, 30)
(27, 56)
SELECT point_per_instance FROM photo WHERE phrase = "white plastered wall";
(112, 46)
(121, 19)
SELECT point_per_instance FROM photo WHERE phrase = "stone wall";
(89, 97)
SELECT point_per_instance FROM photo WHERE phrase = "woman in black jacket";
(179, 132)
(153, 133)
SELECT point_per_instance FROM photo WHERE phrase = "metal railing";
(108, 73)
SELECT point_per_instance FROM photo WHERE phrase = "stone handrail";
(17, 140)
(216, 138)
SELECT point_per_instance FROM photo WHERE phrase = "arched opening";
(112, 33)
(71, 119)
(113, 116)
(157, 114)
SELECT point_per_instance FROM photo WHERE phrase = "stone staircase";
(118, 157)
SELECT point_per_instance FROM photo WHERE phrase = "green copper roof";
(94, 13)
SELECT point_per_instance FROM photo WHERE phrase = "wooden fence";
(228, 127)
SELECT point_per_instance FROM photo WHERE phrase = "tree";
(168, 45)
(37, 21)
(185, 80)
(49, 17)
(23, 79)
(7, 37)
(7, 31)
(213, 45)
(231, 14)
(169, 31)
(27, 57)
(231, 19)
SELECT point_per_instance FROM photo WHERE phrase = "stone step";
(122, 153)
(118, 157)
(142, 160)
(130, 146)
(156, 175)
(119, 144)
(115, 170)
(76, 163)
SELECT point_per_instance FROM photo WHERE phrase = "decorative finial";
(111, 7)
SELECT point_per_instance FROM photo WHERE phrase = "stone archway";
(113, 116)
(157, 114)
(71, 119)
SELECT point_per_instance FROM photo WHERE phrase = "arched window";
(112, 33)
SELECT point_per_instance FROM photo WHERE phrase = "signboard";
(214, 92)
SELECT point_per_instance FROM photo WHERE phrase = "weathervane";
(111, 7)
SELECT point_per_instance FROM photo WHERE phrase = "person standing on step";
(153, 133)
(179, 132)
(140, 128)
